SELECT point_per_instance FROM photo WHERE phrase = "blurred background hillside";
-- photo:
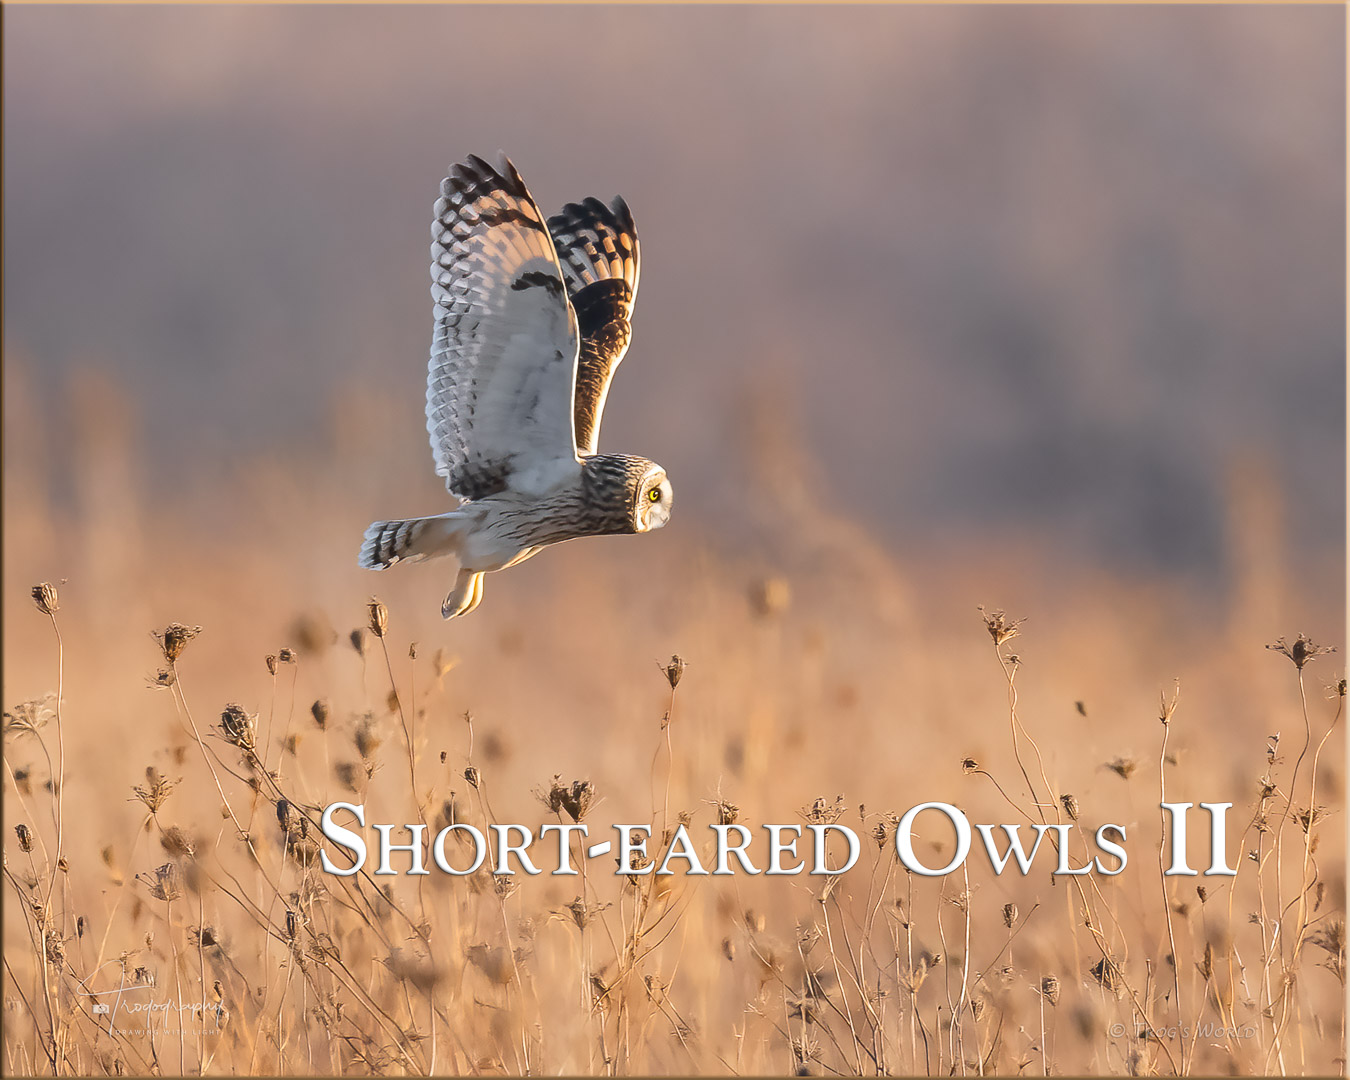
(1061, 275)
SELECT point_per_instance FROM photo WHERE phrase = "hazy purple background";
(1040, 269)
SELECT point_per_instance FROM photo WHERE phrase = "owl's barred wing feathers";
(598, 251)
(500, 386)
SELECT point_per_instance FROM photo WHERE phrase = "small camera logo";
(100, 1009)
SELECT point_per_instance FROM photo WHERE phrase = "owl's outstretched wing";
(598, 251)
(504, 352)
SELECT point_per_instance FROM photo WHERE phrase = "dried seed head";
(577, 800)
(320, 711)
(1202, 892)
(286, 656)
(969, 765)
(822, 812)
(1310, 817)
(1301, 651)
(239, 728)
(155, 790)
(366, 739)
(44, 596)
(675, 670)
(1070, 804)
(379, 617)
(204, 937)
(1206, 966)
(25, 835)
(577, 909)
(1106, 973)
(271, 664)
(632, 872)
(728, 948)
(1009, 915)
(1167, 708)
(1123, 767)
(165, 883)
(56, 946)
(173, 639)
(472, 776)
(1050, 989)
(177, 843)
(1000, 627)
(727, 812)
(412, 650)
(29, 717)
(884, 830)
(348, 775)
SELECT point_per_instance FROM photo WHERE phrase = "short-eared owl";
(531, 321)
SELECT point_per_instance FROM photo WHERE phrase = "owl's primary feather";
(531, 320)
(504, 349)
(598, 251)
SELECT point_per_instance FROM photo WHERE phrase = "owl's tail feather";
(465, 596)
(389, 542)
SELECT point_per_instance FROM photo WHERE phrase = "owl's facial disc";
(654, 501)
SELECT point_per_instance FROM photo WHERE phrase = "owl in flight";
(531, 320)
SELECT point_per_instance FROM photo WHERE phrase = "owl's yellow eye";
(654, 494)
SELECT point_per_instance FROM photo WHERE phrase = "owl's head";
(654, 498)
(625, 494)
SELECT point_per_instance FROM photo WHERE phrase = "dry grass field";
(162, 841)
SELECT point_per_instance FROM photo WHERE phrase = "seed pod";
(239, 728)
(675, 670)
(173, 639)
(379, 617)
(1050, 989)
(44, 596)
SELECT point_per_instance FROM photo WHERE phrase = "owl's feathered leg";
(465, 596)
(388, 542)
